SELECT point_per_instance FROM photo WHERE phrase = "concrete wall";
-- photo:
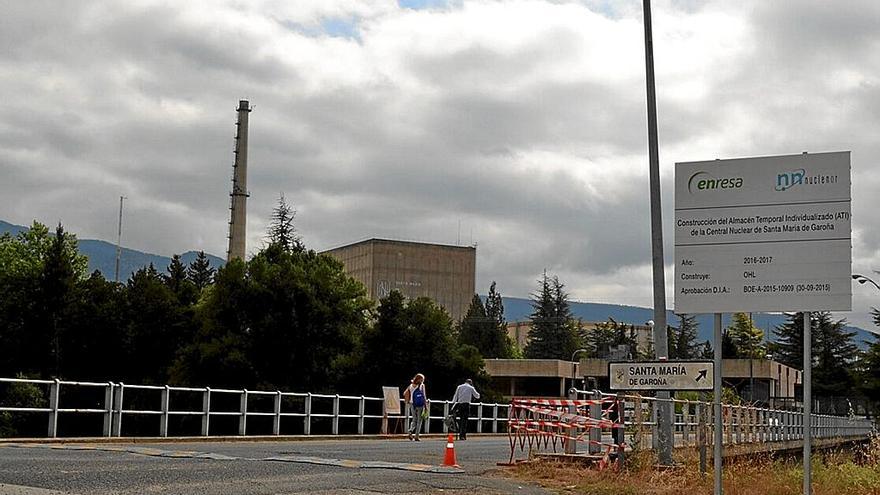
(446, 274)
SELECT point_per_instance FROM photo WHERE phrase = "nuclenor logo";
(703, 181)
(787, 180)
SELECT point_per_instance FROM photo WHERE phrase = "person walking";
(464, 394)
(417, 401)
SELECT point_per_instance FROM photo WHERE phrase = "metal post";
(716, 403)
(307, 418)
(108, 409)
(54, 395)
(117, 419)
(334, 425)
(480, 418)
(362, 408)
(495, 418)
(808, 402)
(570, 442)
(595, 432)
(445, 414)
(242, 419)
(163, 419)
(206, 411)
(664, 423)
(701, 432)
(276, 424)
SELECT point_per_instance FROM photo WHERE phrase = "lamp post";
(574, 366)
(863, 279)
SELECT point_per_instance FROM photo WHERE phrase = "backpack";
(418, 397)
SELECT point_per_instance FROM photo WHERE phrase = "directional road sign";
(661, 375)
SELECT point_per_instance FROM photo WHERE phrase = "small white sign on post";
(661, 375)
(763, 234)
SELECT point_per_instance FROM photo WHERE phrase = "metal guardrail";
(308, 408)
(741, 424)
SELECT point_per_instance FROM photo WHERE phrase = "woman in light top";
(417, 400)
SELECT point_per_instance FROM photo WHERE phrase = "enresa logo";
(703, 181)
(787, 180)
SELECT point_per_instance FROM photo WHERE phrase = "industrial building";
(444, 273)
(775, 384)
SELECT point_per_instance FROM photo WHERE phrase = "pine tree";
(706, 351)
(608, 336)
(686, 346)
(554, 332)
(789, 346)
(177, 280)
(480, 330)
(200, 271)
(870, 369)
(833, 355)
(747, 339)
(281, 230)
(495, 313)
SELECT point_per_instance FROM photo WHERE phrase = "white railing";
(741, 424)
(361, 414)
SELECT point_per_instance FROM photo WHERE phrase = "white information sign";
(661, 375)
(763, 234)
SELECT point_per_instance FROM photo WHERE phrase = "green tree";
(683, 342)
(834, 355)
(157, 326)
(747, 339)
(281, 230)
(179, 283)
(870, 368)
(610, 335)
(554, 333)
(495, 313)
(789, 346)
(483, 332)
(706, 351)
(416, 337)
(200, 272)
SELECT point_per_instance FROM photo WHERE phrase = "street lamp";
(574, 366)
(862, 279)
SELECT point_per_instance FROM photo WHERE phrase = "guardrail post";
(495, 418)
(54, 394)
(595, 431)
(335, 423)
(276, 423)
(685, 413)
(206, 411)
(428, 419)
(242, 419)
(163, 419)
(480, 418)
(570, 442)
(362, 409)
(445, 415)
(117, 419)
(108, 410)
(307, 418)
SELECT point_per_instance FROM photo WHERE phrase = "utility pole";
(661, 346)
(119, 239)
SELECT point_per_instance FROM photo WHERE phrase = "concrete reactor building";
(444, 273)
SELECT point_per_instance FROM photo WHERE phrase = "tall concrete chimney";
(239, 194)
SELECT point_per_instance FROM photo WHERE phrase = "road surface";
(339, 466)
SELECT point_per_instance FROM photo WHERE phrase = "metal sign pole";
(808, 402)
(716, 403)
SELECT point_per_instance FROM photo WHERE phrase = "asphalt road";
(341, 466)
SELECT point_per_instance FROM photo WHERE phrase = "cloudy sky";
(515, 125)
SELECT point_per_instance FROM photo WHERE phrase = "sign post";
(764, 234)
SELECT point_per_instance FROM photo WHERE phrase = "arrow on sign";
(702, 375)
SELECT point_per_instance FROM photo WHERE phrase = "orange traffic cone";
(449, 460)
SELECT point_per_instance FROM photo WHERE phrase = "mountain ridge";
(102, 255)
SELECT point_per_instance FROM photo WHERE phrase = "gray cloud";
(524, 125)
